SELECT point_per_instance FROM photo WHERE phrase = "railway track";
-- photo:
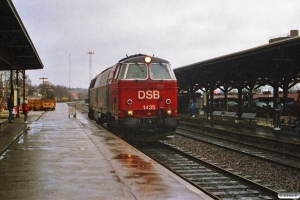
(217, 181)
(266, 154)
(83, 108)
(280, 145)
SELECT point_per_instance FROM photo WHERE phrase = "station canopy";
(277, 62)
(17, 51)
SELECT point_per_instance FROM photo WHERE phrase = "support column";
(211, 101)
(11, 84)
(275, 96)
(239, 110)
(207, 106)
(251, 97)
(18, 98)
(226, 99)
(275, 92)
(285, 96)
(24, 84)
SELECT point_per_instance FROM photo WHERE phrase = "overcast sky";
(181, 31)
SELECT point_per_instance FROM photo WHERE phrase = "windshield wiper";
(164, 67)
(140, 67)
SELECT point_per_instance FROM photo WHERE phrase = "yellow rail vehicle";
(38, 105)
(41, 104)
(31, 104)
(35, 104)
(48, 104)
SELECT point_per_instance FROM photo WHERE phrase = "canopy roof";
(17, 51)
(274, 62)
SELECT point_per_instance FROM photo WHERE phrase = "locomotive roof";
(139, 58)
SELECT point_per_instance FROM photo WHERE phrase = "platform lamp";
(44, 79)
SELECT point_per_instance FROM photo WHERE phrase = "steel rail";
(265, 154)
(286, 145)
(215, 190)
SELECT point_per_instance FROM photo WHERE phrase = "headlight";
(147, 59)
(168, 101)
(169, 112)
(130, 112)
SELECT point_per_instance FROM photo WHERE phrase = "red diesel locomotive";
(137, 93)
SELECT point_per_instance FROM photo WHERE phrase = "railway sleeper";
(182, 169)
(212, 178)
(242, 192)
(227, 187)
(221, 182)
(200, 174)
(186, 164)
(178, 160)
(203, 170)
(182, 166)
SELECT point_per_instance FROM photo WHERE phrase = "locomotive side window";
(160, 71)
(102, 79)
(92, 84)
(122, 71)
(136, 71)
(98, 81)
(116, 73)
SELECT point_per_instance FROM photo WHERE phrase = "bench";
(230, 115)
(288, 121)
(3, 123)
(249, 117)
(217, 114)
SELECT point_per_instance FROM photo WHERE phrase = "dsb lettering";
(149, 94)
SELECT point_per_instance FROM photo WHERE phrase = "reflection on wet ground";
(143, 172)
(63, 158)
(133, 161)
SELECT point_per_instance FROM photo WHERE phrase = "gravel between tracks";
(271, 175)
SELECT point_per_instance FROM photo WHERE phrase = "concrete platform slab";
(72, 158)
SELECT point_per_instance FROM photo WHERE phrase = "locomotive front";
(145, 94)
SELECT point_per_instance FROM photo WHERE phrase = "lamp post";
(90, 61)
(44, 83)
(70, 77)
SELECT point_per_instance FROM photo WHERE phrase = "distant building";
(293, 33)
(74, 95)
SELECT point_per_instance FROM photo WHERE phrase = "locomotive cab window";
(116, 73)
(122, 71)
(160, 71)
(136, 71)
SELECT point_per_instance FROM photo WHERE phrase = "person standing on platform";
(10, 107)
(192, 107)
(25, 110)
(278, 109)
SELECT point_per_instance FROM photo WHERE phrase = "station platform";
(61, 157)
(261, 128)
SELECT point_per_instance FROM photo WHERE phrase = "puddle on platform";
(143, 172)
(133, 161)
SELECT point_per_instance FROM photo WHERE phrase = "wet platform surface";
(72, 158)
(260, 129)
